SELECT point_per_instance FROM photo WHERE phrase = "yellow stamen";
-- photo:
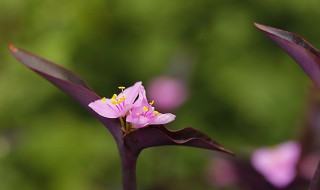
(114, 96)
(114, 102)
(121, 87)
(103, 99)
(151, 103)
(114, 99)
(145, 108)
(156, 113)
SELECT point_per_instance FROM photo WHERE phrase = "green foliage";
(244, 91)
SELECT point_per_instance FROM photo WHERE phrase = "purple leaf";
(130, 144)
(298, 48)
(315, 183)
(159, 135)
(66, 80)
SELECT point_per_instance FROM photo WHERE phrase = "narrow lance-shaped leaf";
(298, 48)
(66, 80)
(159, 135)
(131, 144)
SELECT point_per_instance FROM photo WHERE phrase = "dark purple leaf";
(315, 183)
(66, 80)
(298, 48)
(129, 145)
(159, 135)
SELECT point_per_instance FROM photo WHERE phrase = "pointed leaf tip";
(65, 80)
(256, 24)
(12, 48)
(260, 26)
(159, 135)
(306, 55)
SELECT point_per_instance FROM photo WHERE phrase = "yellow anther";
(152, 102)
(145, 108)
(156, 113)
(114, 97)
(114, 102)
(103, 99)
(122, 98)
(121, 87)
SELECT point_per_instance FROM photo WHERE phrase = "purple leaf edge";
(315, 182)
(65, 80)
(305, 54)
(159, 135)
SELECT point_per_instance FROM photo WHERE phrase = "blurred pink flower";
(169, 93)
(222, 173)
(277, 164)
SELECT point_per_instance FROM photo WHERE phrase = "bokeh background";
(240, 88)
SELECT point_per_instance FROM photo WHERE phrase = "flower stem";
(128, 163)
(123, 126)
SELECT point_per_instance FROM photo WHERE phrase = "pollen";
(121, 87)
(122, 98)
(103, 99)
(156, 113)
(152, 102)
(145, 108)
(114, 102)
(114, 97)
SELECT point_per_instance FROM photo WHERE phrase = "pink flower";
(118, 105)
(134, 110)
(277, 164)
(222, 173)
(144, 114)
(169, 93)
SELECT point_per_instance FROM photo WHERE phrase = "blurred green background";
(244, 91)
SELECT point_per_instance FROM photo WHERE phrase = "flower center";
(145, 109)
(148, 111)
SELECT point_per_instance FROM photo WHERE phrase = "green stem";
(123, 126)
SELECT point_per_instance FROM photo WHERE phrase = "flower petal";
(132, 92)
(104, 109)
(162, 119)
(142, 98)
(138, 122)
(159, 135)
(298, 48)
(277, 164)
